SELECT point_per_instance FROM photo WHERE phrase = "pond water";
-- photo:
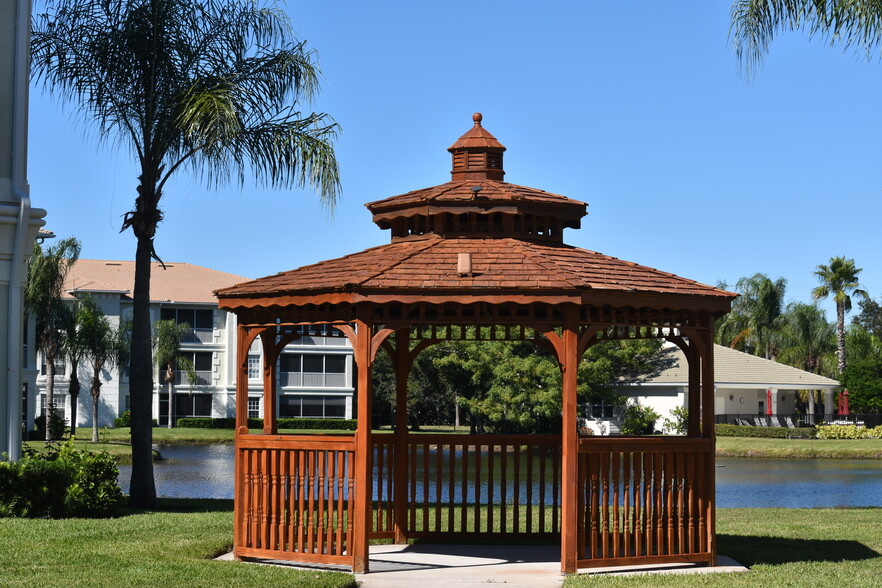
(207, 472)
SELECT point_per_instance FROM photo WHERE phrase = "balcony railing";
(203, 378)
(312, 380)
(198, 336)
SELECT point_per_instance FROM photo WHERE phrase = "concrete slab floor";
(461, 566)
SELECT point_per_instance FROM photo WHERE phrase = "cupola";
(476, 202)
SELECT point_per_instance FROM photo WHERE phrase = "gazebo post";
(267, 339)
(693, 427)
(569, 443)
(363, 450)
(242, 344)
(402, 363)
(707, 430)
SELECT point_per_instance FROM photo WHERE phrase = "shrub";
(639, 420)
(679, 421)
(62, 482)
(723, 430)
(283, 423)
(848, 432)
(123, 420)
(56, 422)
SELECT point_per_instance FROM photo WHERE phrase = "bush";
(125, 420)
(62, 482)
(283, 423)
(848, 432)
(639, 420)
(57, 423)
(723, 430)
(679, 421)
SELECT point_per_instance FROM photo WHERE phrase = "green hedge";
(766, 432)
(326, 424)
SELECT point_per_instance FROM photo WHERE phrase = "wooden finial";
(477, 117)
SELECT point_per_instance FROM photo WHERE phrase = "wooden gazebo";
(475, 258)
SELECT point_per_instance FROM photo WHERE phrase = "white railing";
(312, 380)
(322, 341)
(198, 336)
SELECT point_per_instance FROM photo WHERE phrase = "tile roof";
(178, 282)
(498, 264)
(735, 368)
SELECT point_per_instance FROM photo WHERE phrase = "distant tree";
(104, 346)
(805, 338)
(72, 350)
(47, 271)
(863, 374)
(846, 23)
(167, 337)
(838, 279)
(210, 85)
(750, 324)
(870, 316)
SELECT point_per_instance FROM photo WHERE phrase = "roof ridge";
(398, 262)
(538, 259)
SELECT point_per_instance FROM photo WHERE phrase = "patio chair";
(789, 422)
(760, 421)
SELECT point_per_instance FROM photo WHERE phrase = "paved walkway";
(461, 566)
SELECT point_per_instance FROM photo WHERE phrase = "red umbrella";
(769, 402)
(843, 399)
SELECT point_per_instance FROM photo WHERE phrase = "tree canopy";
(216, 86)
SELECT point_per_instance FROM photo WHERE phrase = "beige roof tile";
(178, 282)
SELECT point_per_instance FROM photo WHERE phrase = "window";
(253, 367)
(59, 366)
(602, 410)
(312, 406)
(202, 361)
(311, 370)
(200, 320)
(254, 408)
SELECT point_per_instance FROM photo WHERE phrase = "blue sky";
(636, 107)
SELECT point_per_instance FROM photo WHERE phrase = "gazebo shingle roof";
(513, 236)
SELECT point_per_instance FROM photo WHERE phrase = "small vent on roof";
(112, 263)
(464, 264)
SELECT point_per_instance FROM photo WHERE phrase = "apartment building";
(315, 372)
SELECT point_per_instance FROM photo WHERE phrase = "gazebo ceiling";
(477, 238)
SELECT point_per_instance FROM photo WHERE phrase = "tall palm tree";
(167, 337)
(104, 346)
(839, 279)
(47, 271)
(73, 349)
(847, 23)
(210, 85)
(754, 315)
(805, 338)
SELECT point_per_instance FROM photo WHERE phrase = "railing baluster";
(463, 526)
(477, 526)
(320, 468)
(616, 461)
(491, 450)
(647, 501)
(411, 468)
(517, 488)
(381, 503)
(626, 506)
(439, 453)
(503, 494)
(310, 488)
(425, 487)
(529, 526)
(543, 477)
(451, 487)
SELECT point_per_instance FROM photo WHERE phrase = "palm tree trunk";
(142, 491)
(96, 392)
(169, 376)
(50, 394)
(840, 335)
(73, 390)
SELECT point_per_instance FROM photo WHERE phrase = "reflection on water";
(207, 472)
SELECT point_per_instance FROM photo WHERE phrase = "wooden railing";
(644, 500)
(292, 497)
(473, 486)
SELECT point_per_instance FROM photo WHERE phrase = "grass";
(173, 546)
(782, 548)
(799, 448)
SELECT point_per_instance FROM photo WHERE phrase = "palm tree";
(839, 278)
(73, 349)
(210, 85)
(167, 337)
(806, 339)
(847, 23)
(754, 315)
(47, 271)
(103, 345)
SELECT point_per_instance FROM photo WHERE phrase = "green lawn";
(799, 448)
(173, 547)
(783, 547)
